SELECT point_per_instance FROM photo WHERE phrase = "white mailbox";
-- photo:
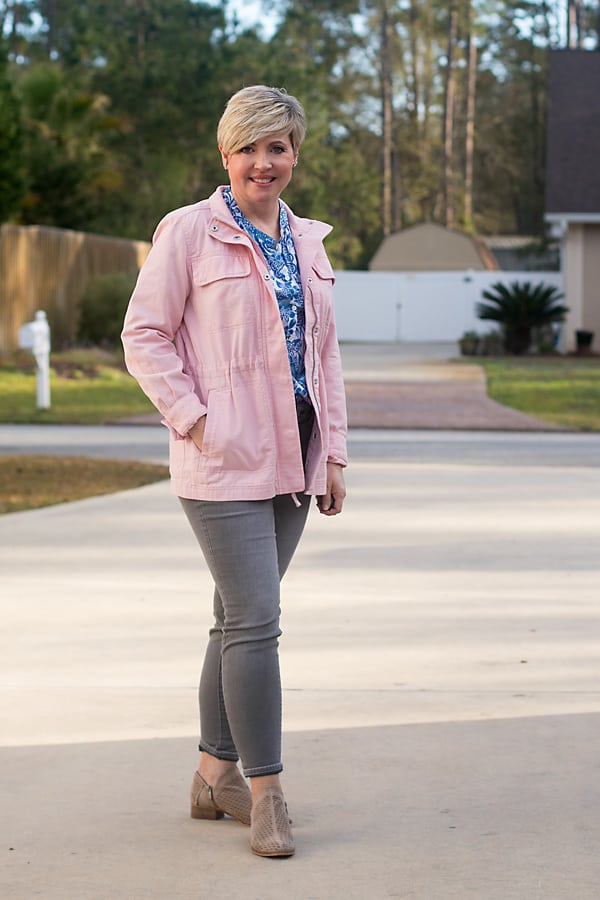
(35, 336)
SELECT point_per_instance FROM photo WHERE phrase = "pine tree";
(12, 182)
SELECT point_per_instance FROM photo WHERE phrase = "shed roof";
(431, 247)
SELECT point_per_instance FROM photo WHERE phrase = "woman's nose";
(262, 161)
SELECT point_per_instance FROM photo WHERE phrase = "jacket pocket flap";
(322, 269)
(207, 269)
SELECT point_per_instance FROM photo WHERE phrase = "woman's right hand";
(196, 432)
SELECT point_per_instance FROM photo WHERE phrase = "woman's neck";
(264, 218)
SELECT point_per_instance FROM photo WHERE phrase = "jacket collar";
(304, 230)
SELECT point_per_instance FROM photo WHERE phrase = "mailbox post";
(35, 336)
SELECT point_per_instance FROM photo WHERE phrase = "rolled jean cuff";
(273, 769)
(227, 755)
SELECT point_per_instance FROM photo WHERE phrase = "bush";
(102, 308)
(469, 343)
(492, 344)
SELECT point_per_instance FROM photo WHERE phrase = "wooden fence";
(47, 268)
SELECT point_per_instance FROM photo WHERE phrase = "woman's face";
(259, 172)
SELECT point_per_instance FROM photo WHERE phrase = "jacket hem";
(236, 492)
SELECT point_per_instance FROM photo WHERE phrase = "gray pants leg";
(248, 545)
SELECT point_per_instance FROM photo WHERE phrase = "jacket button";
(238, 237)
(214, 227)
(310, 280)
(267, 276)
(316, 329)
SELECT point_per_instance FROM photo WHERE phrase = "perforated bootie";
(270, 832)
(229, 794)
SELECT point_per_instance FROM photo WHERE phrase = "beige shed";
(431, 248)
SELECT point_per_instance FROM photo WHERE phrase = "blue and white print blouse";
(280, 257)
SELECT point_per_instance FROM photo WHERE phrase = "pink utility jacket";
(203, 335)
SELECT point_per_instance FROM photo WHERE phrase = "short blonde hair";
(257, 111)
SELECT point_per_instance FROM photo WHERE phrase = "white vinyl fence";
(418, 306)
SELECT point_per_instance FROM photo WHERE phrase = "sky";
(249, 12)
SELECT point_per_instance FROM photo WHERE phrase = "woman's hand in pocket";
(196, 432)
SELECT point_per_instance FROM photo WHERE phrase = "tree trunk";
(386, 116)
(51, 30)
(430, 202)
(517, 339)
(574, 24)
(414, 64)
(447, 160)
(470, 129)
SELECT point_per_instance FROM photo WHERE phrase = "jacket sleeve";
(152, 321)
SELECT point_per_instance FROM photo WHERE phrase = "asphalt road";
(149, 443)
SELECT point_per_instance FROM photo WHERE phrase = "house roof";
(573, 134)
(523, 253)
(508, 241)
(430, 247)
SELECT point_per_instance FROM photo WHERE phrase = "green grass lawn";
(32, 481)
(86, 388)
(560, 390)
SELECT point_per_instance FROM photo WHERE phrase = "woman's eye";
(279, 149)
(246, 149)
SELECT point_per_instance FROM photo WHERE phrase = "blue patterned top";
(281, 259)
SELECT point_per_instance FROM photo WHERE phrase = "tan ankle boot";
(270, 833)
(229, 794)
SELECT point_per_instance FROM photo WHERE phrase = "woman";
(230, 332)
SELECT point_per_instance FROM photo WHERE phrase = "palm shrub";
(521, 307)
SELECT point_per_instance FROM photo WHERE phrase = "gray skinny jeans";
(248, 545)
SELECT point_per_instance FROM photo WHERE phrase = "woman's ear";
(224, 157)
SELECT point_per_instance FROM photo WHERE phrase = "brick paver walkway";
(433, 404)
(423, 386)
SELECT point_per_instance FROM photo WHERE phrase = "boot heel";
(229, 795)
(204, 812)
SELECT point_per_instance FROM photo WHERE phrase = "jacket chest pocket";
(224, 291)
(320, 285)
